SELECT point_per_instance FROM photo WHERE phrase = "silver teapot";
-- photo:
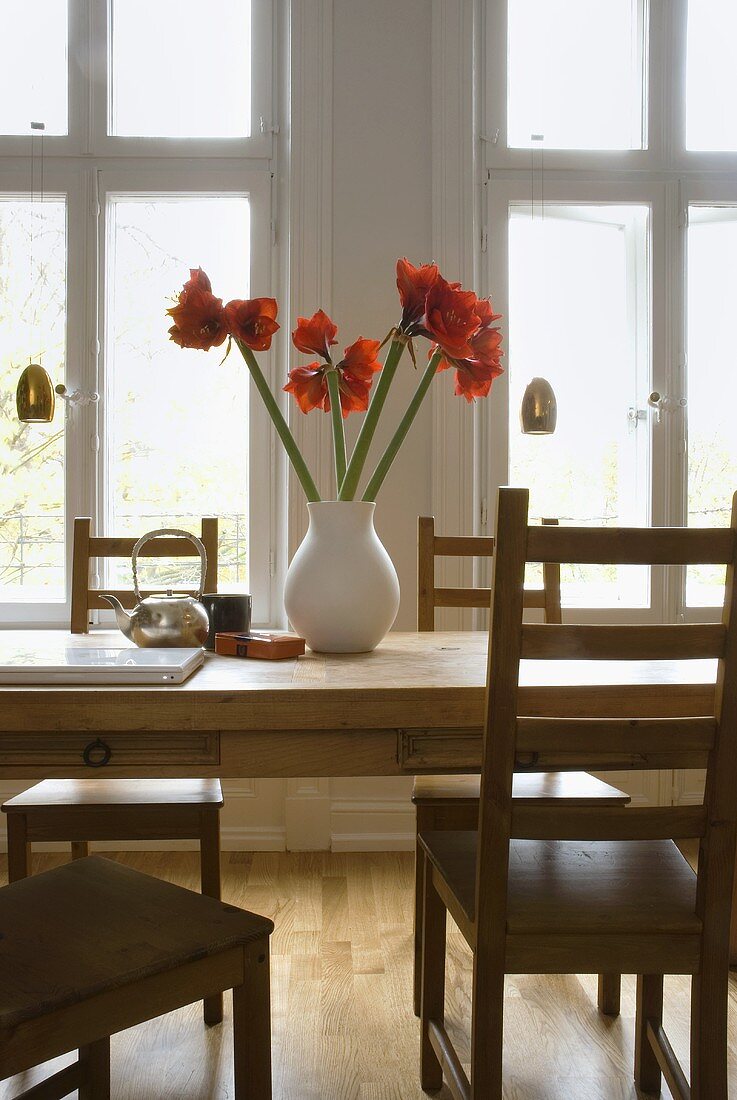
(167, 619)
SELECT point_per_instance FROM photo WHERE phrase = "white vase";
(341, 592)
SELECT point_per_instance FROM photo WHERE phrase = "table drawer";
(424, 749)
(75, 750)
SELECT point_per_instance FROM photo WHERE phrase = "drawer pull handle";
(97, 754)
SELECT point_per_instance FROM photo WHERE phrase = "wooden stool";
(127, 948)
(81, 810)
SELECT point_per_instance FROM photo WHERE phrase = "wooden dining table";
(414, 705)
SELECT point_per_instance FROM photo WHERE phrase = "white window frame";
(667, 176)
(86, 166)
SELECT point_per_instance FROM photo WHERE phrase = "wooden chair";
(452, 801)
(84, 810)
(540, 889)
(92, 948)
(87, 548)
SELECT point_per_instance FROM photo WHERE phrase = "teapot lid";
(169, 595)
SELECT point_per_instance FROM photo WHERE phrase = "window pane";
(571, 273)
(32, 322)
(575, 73)
(33, 74)
(177, 420)
(712, 384)
(711, 75)
(188, 76)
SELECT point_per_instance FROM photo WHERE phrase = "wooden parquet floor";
(343, 1027)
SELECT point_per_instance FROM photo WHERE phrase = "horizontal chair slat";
(127, 598)
(639, 735)
(552, 761)
(462, 597)
(463, 546)
(157, 548)
(608, 823)
(623, 643)
(624, 545)
(481, 597)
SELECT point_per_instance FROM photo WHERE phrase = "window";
(216, 59)
(33, 323)
(591, 471)
(575, 73)
(712, 385)
(612, 251)
(711, 80)
(100, 220)
(33, 75)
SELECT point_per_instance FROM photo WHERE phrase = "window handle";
(664, 403)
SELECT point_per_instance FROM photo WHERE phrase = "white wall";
(381, 209)
(382, 197)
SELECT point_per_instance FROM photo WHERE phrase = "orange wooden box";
(260, 644)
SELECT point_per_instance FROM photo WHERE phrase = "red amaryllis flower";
(316, 335)
(253, 321)
(199, 317)
(355, 372)
(413, 283)
(451, 318)
(476, 372)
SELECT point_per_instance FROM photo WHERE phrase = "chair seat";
(579, 788)
(58, 793)
(575, 887)
(112, 926)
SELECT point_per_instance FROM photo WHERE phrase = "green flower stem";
(338, 430)
(370, 421)
(282, 428)
(385, 462)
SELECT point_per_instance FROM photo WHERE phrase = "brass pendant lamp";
(35, 399)
(538, 414)
(35, 395)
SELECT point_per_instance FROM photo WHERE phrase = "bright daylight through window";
(127, 160)
(610, 142)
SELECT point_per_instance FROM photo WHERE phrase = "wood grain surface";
(343, 1026)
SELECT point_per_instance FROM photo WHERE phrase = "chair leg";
(419, 900)
(610, 992)
(94, 1061)
(432, 976)
(19, 850)
(709, 996)
(80, 849)
(649, 1009)
(252, 1026)
(210, 880)
(487, 1028)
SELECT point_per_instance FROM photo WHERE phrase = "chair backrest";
(609, 730)
(87, 547)
(431, 546)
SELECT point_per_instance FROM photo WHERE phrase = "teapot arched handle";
(178, 534)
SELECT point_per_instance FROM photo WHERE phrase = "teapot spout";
(122, 617)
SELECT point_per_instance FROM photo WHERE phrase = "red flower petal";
(199, 318)
(252, 321)
(361, 358)
(309, 387)
(451, 318)
(316, 335)
(413, 283)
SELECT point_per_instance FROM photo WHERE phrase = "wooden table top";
(414, 680)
